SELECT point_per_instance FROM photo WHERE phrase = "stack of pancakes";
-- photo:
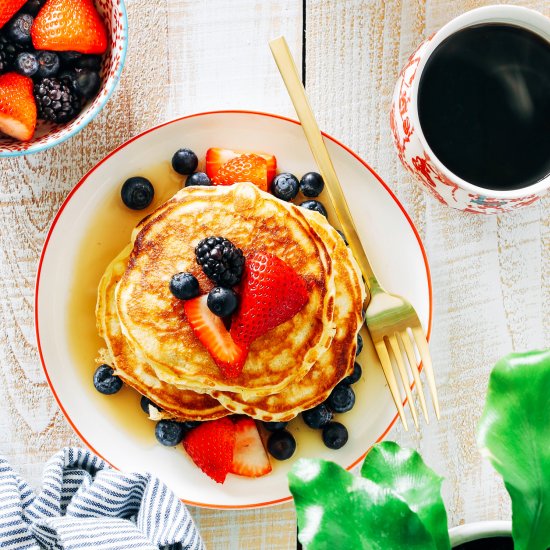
(292, 368)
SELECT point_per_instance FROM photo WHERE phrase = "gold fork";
(391, 320)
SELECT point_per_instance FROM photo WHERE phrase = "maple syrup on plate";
(108, 233)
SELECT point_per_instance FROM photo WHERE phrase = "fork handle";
(287, 68)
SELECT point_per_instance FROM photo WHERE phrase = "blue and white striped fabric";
(84, 503)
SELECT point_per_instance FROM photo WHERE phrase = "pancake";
(176, 403)
(333, 365)
(154, 322)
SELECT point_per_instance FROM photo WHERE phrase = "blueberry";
(145, 402)
(222, 301)
(198, 178)
(335, 435)
(137, 193)
(342, 398)
(190, 424)
(33, 7)
(343, 236)
(274, 426)
(184, 161)
(354, 376)
(285, 186)
(105, 381)
(48, 64)
(91, 62)
(169, 432)
(184, 286)
(311, 184)
(26, 64)
(86, 83)
(18, 30)
(359, 344)
(317, 417)
(70, 58)
(316, 206)
(281, 445)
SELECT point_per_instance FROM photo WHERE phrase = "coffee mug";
(412, 146)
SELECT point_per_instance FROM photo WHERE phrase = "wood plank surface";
(491, 275)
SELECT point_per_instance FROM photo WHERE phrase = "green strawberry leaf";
(404, 472)
(336, 509)
(514, 434)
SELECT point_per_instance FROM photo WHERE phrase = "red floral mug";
(413, 149)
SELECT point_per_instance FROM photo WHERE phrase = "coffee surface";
(484, 105)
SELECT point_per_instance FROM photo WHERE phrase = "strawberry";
(247, 167)
(249, 456)
(271, 293)
(8, 9)
(213, 335)
(217, 157)
(210, 446)
(17, 106)
(69, 25)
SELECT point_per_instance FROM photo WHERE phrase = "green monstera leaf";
(404, 472)
(376, 511)
(514, 434)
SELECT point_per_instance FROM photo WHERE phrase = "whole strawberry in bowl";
(60, 61)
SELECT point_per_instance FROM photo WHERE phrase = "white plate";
(391, 242)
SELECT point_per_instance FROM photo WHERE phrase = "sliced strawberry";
(8, 8)
(213, 335)
(249, 167)
(17, 106)
(217, 157)
(69, 25)
(249, 456)
(271, 293)
(210, 446)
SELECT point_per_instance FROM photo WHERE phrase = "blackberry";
(8, 52)
(221, 260)
(56, 101)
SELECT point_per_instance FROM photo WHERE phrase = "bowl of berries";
(60, 61)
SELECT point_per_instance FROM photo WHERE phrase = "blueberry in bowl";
(35, 115)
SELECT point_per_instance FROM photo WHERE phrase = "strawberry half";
(17, 106)
(213, 335)
(210, 446)
(8, 8)
(271, 293)
(217, 157)
(69, 25)
(249, 456)
(248, 167)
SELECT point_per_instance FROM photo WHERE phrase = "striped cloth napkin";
(84, 503)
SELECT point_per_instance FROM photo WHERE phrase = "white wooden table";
(491, 275)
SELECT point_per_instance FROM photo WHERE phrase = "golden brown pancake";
(154, 323)
(338, 360)
(176, 403)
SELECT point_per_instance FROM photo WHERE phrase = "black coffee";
(493, 543)
(484, 105)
